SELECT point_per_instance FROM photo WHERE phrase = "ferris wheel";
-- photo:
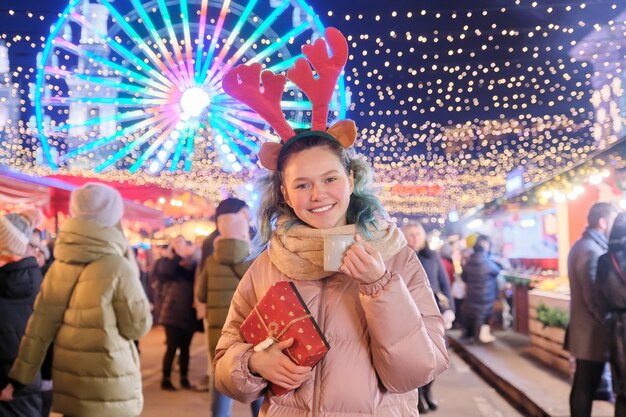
(136, 85)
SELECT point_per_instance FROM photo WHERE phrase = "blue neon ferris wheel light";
(140, 85)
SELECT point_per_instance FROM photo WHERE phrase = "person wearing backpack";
(217, 281)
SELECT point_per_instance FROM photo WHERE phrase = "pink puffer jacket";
(387, 339)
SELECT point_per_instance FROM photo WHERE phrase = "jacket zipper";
(318, 369)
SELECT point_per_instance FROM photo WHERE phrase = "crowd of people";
(186, 288)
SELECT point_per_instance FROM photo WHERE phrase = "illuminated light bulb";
(154, 167)
(606, 173)
(201, 231)
(559, 197)
(475, 224)
(194, 100)
(595, 179)
(579, 190)
(622, 204)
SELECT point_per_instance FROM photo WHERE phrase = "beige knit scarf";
(299, 252)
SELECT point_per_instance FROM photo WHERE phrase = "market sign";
(407, 189)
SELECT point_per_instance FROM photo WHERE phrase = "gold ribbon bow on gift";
(271, 330)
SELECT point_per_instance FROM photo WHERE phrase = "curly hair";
(363, 211)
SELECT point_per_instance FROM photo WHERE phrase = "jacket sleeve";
(405, 327)
(444, 283)
(44, 322)
(232, 375)
(587, 276)
(132, 309)
(600, 285)
(201, 287)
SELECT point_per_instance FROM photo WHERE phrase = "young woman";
(378, 313)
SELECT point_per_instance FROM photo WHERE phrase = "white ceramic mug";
(335, 247)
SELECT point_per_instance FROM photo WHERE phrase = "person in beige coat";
(92, 307)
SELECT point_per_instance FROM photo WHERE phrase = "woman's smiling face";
(317, 187)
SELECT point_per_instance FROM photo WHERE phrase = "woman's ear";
(351, 181)
(285, 195)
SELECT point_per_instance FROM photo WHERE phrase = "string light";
(445, 99)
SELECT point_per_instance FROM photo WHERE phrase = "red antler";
(244, 83)
(320, 89)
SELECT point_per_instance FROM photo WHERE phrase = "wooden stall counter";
(548, 314)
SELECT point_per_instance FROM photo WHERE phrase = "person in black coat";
(440, 283)
(480, 273)
(20, 281)
(44, 258)
(176, 273)
(610, 291)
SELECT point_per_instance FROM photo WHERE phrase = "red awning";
(129, 191)
(52, 195)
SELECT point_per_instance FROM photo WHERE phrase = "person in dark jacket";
(415, 236)
(480, 273)
(176, 273)
(588, 335)
(610, 290)
(43, 256)
(20, 280)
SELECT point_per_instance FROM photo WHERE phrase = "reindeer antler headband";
(262, 92)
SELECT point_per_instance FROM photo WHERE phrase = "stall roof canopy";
(172, 202)
(52, 195)
(129, 190)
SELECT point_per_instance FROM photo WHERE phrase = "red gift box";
(280, 315)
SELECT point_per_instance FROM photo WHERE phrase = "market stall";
(534, 230)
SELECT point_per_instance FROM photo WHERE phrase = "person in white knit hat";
(97, 202)
(92, 307)
(20, 280)
(16, 230)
